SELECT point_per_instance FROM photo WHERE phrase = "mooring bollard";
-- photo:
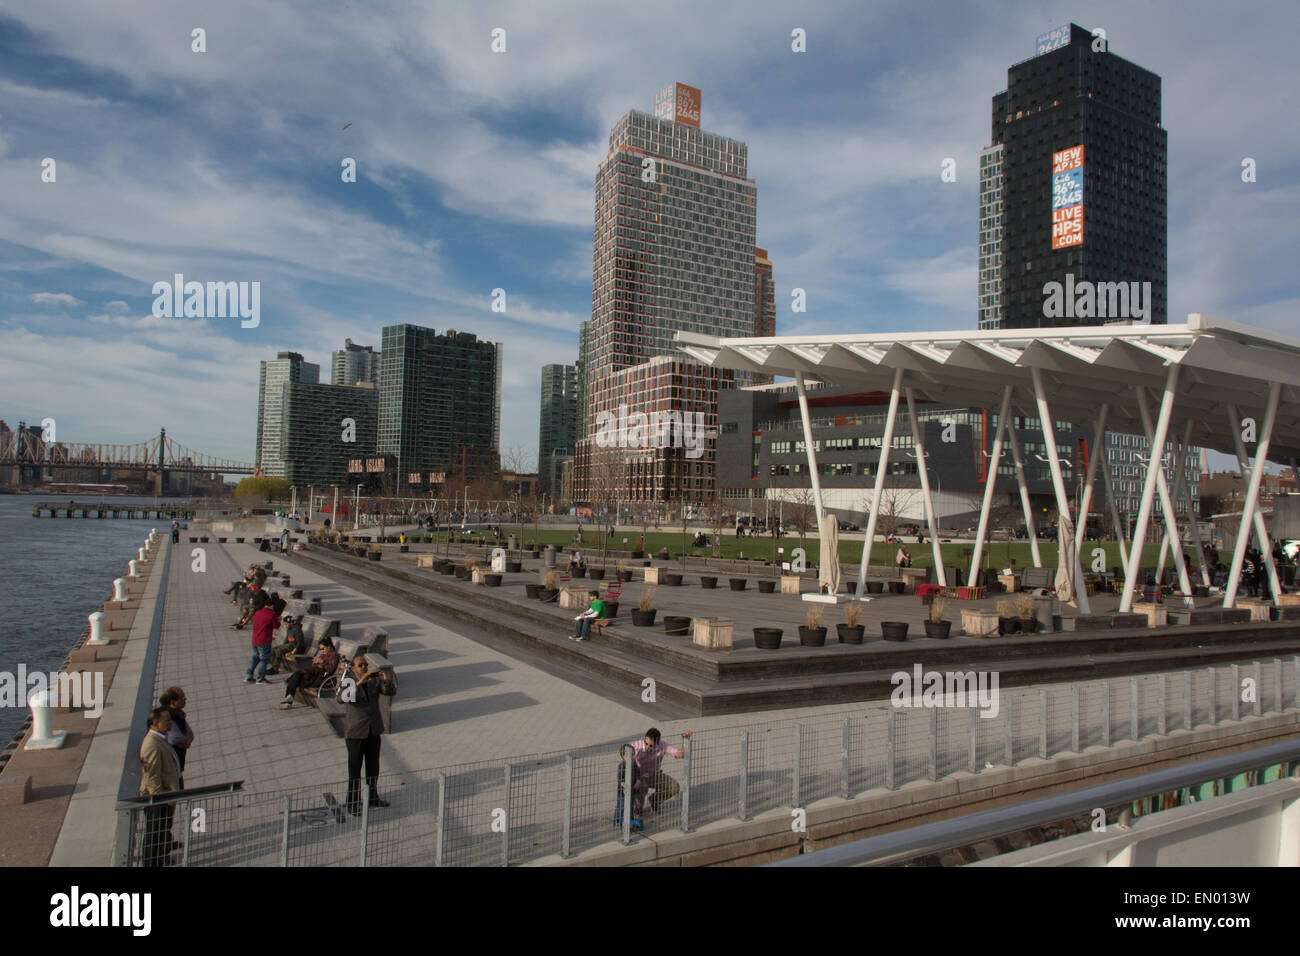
(97, 628)
(119, 590)
(140, 555)
(42, 738)
(133, 568)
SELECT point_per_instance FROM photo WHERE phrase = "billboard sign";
(1067, 198)
(1052, 40)
(679, 103)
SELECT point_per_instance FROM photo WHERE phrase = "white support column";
(1085, 505)
(1058, 483)
(881, 468)
(1166, 502)
(808, 447)
(1191, 507)
(1243, 465)
(1148, 491)
(1256, 479)
(923, 469)
(1180, 483)
(1024, 496)
(1114, 515)
(990, 480)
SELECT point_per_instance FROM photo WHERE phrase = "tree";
(889, 516)
(259, 490)
(715, 513)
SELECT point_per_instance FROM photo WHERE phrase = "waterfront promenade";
(468, 699)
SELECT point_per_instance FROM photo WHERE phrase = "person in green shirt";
(582, 625)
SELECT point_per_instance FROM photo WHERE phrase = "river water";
(55, 571)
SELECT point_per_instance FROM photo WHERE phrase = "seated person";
(325, 664)
(576, 561)
(582, 628)
(294, 643)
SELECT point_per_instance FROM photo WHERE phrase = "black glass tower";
(1049, 209)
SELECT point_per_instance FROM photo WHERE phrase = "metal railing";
(558, 804)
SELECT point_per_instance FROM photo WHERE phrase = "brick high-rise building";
(674, 251)
(764, 303)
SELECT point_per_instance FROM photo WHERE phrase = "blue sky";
(476, 171)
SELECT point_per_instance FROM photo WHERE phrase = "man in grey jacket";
(362, 726)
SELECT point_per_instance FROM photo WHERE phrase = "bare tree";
(803, 512)
(715, 513)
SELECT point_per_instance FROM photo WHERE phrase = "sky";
(475, 171)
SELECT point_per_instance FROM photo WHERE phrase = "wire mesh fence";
(556, 805)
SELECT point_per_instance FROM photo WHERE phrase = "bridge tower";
(160, 481)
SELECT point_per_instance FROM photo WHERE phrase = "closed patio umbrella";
(829, 564)
(1065, 583)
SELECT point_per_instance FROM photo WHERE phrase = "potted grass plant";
(1025, 612)
(643, 615)
(1008, 619)
(936, 626)
(812, 634)
(850, 632)
(549, 586)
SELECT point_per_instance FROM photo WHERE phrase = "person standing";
(176, 532)
(265, 621)
(181, 735)
(160, 773)
(363, 726)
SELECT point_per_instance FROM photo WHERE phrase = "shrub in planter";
(708, 582)
(374, 555)
(676, 625)
(1008, 621)
(812, 634)
(935, 625)
(492, 580)
(598, 574)
(1025, 611)
(239, 541)
(546, 595)
(738, 584)
(643, 615)
(514, 567)
(850, 632)
(767, 638)
(637, 555)
(897, 587)
(893, 630)
(875, 587)
(766, 587)
(611, 609)
(663, 554)
(580, 572)
(462, 574)
(532, 590)
(673, 580)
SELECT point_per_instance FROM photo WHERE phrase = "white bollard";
(148, 544)
(42, 738)
(132, 567)
(119, 590)
(97, 628)
(140, 555)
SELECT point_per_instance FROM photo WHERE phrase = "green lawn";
(996, 555)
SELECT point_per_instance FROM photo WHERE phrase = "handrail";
(985, 825)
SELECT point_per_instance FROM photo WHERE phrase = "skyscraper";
(584, 363)
(1072, 190)
(353, 364)
(324, 426)
(674, 251)
(764, 303)
(439, 403)
(272, 377)
(558, 428)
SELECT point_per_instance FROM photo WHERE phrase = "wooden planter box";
(1157, 615)
(912, 577)
(478, 576)
(574, 599)
(713, 631)
(1259, 610)
(790, 583)
(1288, 600)
(1008, 581)
(424, 560)
(652, 575)
(978, 623)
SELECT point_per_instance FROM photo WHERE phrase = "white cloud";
(55, 298)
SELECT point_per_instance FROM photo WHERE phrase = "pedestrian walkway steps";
(702, 682)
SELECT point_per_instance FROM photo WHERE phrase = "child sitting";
(634, 823)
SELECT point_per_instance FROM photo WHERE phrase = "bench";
(1032, 578)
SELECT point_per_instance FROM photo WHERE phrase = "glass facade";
(287, 367)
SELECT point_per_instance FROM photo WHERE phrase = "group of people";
(162, 765)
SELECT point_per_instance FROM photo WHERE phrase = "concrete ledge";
(15, 791)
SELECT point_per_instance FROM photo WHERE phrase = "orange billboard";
(687, 110)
